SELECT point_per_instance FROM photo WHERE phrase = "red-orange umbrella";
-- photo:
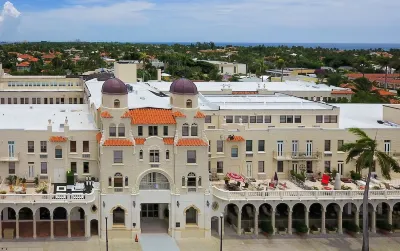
(235, 176)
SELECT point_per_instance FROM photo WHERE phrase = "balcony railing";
(154, 186)
(304, 194)
(15, 158)
(118, 189)
(47, 198)
(297, 155)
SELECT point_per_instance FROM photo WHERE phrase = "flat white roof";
(35, 117)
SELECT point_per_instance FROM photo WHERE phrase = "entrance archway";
(154, 218)
(60, 222)
(281, 218)
(77, 222)
(248, 215)
(191, 216)
(43, 224)
(8, 220)
(331, 217)
(231, 219)
(265, 218)
(94, 227)
(25, 223)
(315, 217)
(118, 216)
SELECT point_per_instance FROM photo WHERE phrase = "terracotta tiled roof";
(32, 59)
(199, 115)
(191, 142)
(105, 114)
(244, 92)
(126, 115)
(98, 137)
(235, 138)
(178, 114)
(118, 142)
(24, 56)
(394, 101)
(168, 141)
(140, 141)
(58, 139)
(342, 92)
(24, 64)
(385, 93)
(150, 116)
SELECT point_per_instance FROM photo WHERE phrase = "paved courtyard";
(342, 243)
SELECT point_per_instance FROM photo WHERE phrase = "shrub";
(281, 229)
(344, 187)
(384, 226)
(351, 226)
(331, 228)
(354, 175)
(266, 227)
(3, 192)
(313, 228)
(70, 178)
(301, 228)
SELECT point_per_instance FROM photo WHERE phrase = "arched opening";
(191, 216)
(126, 181)
(121, 130)
(234, 152)
(361, 215)
(60, 222)
(382, 216)
(248, 221)
(154, 181)
(189, 103)
(349, 216)
(265, 218)
(193, 129)
(299, 215)
(112, 130)
(77, 222)
(191, 182)
(396, 216)
(231, 219)
(332, 217)
(117, 103)
(94, 227)
(8, 221)
(118, 181)
(185, 130)
(109, 181)
(315, 217)
(281, 217)
(141, 154)
(25, 223)
(58, 153)
(119, 216)
(43, 225)
(215, 226)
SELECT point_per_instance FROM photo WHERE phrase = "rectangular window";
(43, 167)
(45, 101)
(297, 119)
(237, 119)
(387, 146)
(340, 144)
(245, 119)
(33, 100)
(220, 146)
(51, 100)
(267, 119)
(220, 167)
(118, 156)
(252, 119)
(58, 153)
(282, 119)
(261, 145)
(73, 167)
(11, 167)
(165, 131)
(327, 147)
(229, 119)
(9, 101)
(121, 130)
(57, 101)
(260, 119)
(330, 119)
(249, 145)
(80, 100)
(38, 100)
(234, 152)
(191, 156)
(86, 146)
(154, 156)
(85, 167)
(279, 167)
(113, 131)
(318, 119)
(2, 101)
(289, 119)
(208, 119)
(43, 146)
(209, 146)
(26, 101)
(327, 165)
(140, 130)
(31, 146)
(75, 101)
(62, 100)
(22, 100)
(153, 130)
(167, 154)
(70, 101)
(261, 167)
(72, 146)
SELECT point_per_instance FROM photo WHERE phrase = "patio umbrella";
(235, 176)
(276, 177)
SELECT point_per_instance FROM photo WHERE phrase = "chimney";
(158, 74)
(49, 126)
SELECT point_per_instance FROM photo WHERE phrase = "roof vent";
(142, 98)
(380, 122)
(30, 107)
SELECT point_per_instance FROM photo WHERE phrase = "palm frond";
(365, 160)
(360, 133)
(387, 163)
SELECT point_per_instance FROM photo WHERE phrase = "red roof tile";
(105, 114)
(199, 115)
(168, 141)
(342, 92)
(140, 141)
(385, 93)
(118, 142)
(58, 139)
(150, 116)
(23, 64)
(98, 137)
(191, 142)
(394, 101)
(178, 114)
(235, 138)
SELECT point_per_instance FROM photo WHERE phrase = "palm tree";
(385, 62)
(280, 64)
(364, 150)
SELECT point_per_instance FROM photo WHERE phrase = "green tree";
(280, 64)
(335, 79)
(364, 150)
(363, 84)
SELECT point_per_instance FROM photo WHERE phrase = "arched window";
(191, 216)
(113, 130)
(185, 130)
(119, 216)
(191, 180)
(126, 181)
(58, 152)
(193, 129)
(141, 154)
(167, 154)
(199, 182)
(117, 103)
(183, 181)
(189, 103)
(121, 130)
(109, 181)
(118, 180)
(234, 152)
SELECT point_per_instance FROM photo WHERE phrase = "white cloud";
(9, 20)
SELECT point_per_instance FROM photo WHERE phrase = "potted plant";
(3, 192)
(70, 178)
(36, 181)
(301, 229)
(226, 179)
(331, 229)
(384, 227)
(282, 230)
(314, 229)
(23, 180)
(266, 228)
(11, 188)
(351, 228)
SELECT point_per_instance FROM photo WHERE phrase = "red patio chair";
(325, 179)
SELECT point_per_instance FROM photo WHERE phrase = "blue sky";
(289, 21)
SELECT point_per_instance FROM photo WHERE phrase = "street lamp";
(106, 235)
(222, 218)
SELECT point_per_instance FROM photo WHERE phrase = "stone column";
(87, 231)
(34, 226)
(357, 217)
(273, 220)
(323, 230)
(51, 227)
(239, 223)
(307, 212)
(219, 227)
(1, 227)
(17, 226)
(256, 221)
(390, 216)
(373, 223)
(340, 221)
(290, 222)
(69, 225)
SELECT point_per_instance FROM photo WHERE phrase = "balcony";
(47, 198)
(297, 155)
(14, 158)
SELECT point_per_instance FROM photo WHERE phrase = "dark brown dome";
(114, 86)
(183, 86)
